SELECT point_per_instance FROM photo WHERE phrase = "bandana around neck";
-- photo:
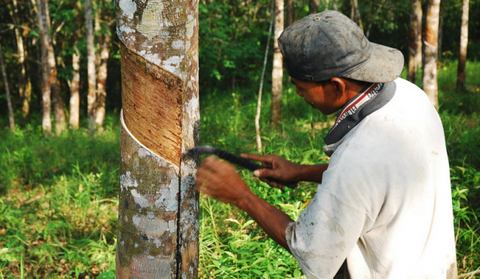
(370, 99)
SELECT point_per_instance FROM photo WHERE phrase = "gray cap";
(328, 44)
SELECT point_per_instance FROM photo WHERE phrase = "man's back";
(385, 201)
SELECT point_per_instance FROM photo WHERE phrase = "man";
(383, 208)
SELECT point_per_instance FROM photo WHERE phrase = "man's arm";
(219, 180)
(284, 170)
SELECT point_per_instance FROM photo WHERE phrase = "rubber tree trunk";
(45, 81)
(74, 85)
(102, 56)
(462, 57)
(24, 84)
(415, 40)
(57, 100)
(430, 85)
(313, 6)
(91, 73)
(355, 13)
(11, 119)
(277, 71)
(158, 211)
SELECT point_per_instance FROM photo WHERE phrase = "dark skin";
(219, 180)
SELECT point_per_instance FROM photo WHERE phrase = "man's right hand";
(281, 169)
(277, 168)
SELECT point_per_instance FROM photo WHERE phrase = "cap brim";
(384, 65)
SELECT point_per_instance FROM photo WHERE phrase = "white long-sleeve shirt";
(384, 206)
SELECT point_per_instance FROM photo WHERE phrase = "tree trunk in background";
(290, 12)
(158, 211)
(414, 40)
(101, 97)
(45, 81)
(102, 59)
(91, 96)
(260, 90)
(57, 100)
(313, 6)
(430, 85)
(74, 85)
(11, 119)
(335, 5)
(355, 13)
(462, 57)
(24, 84)
(277, 72)
(440, 30)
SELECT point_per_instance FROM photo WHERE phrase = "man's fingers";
(263, 173)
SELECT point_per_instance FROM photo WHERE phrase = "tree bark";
(277, 72)
(74, 85)
(102, 81)
(415, 40)
(158, 212)
(313, 6)
(57, 100)
(91, 96)
(462, 57)
(24, 84)
(45, 81)
(102, 59)
(430, 85)
(290, 12)
(355, 13)
(11, 118)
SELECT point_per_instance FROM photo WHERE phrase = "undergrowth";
(58, 206)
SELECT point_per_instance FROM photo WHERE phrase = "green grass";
(58, 205)
(58, 209)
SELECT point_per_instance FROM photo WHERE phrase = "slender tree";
(158, 212)
(335, 5)
(102, 30)
(74, 85)
(277, 72)
(11, 118)
(290, 12)
(57, 100)
(313, 6)
(45, 80)
(260, 90)
(355, 13)
(24, 84)
(462, 58)
(91, 73)
(414, 39)
(430, 85)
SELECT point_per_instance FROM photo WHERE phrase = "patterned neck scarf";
(370, 99)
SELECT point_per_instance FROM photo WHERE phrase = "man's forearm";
(312, 173)
(273, 221)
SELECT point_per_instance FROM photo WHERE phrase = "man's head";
(326, 45)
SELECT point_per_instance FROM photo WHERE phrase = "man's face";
(321, 96)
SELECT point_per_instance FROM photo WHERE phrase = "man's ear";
(339, 86)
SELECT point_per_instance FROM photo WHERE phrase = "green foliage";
(232, 38)
(58, 209)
